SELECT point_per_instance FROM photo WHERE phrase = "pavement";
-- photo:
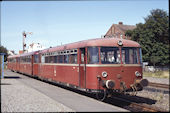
(20, 93)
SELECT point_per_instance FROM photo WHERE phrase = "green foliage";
(153, 36)
(4, 50)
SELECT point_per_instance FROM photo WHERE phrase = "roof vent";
(120, 23)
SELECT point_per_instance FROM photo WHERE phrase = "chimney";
(120, 23)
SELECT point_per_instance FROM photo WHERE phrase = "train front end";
(119, 67)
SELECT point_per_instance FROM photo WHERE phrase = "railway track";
(135, 107)
(159, 85)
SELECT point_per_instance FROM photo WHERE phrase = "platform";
(20, 93)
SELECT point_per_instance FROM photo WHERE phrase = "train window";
(140, 55)
(110, 55)
(82, 58)
(93, 55)
(51, 59)
(46, 59)
(73, 59)
(12, 60)
(66, 58)
(28, 59)
(23, 58)
(129, 55)
(60, 59)
(55, 59)
(36, 58)
(43, 59)
(18, 59)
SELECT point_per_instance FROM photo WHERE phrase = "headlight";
(137, 74)
(120, 43)
(104, 74)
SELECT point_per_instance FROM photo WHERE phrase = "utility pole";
(24, 36)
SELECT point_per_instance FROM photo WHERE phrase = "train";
(101, 66)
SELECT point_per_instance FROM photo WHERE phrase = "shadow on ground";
(11, 77)
(5, 84)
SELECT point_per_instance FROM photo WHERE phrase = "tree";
(153, 36)
(4, 50)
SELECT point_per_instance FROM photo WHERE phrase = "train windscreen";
(110, 55)
(129, 55)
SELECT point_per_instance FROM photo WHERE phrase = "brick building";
(118, 31)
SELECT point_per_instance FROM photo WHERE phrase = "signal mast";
(24, 36)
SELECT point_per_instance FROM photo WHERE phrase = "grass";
(158, 74)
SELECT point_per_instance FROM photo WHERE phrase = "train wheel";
(101, 96)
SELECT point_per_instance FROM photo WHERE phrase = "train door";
(82, 68)
(18, 61)
(32, 64)
(35, 63)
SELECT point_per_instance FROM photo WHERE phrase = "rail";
(134, 107)
(159, 85)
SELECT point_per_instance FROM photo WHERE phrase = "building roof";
(121, 28)
(124, 28)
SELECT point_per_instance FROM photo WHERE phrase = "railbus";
(101, 66)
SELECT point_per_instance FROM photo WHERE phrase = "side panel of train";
(66, 73)
(13, 64)
(36, 69)
(26, 68)
(26, 65)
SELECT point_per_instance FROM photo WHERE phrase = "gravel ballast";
(161, 96)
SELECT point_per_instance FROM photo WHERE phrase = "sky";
(61, 22)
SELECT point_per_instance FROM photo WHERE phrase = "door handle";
(77, 69)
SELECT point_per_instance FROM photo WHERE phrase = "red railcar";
(27, 63)
(13, 63)
(95, 65)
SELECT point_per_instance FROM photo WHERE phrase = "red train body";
(92, 65)
(13, 63)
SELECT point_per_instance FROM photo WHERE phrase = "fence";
(156, 68)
